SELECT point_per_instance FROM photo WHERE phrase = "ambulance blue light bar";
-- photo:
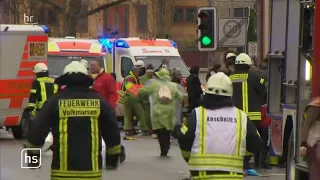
(173, 44)
(122, 44)
(107, 44)
(45, 28)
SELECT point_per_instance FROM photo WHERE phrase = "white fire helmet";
(230, 55)
(40, 67)
(85, 63)
(75, 67)
(139, 64)
(219, 84)
(243, 58)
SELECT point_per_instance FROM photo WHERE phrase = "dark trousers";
(259, 157)
(164, 140)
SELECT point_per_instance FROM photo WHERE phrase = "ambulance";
(61, 51)
(21, 47)
(122, 53)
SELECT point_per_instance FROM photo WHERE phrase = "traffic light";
(207, 34)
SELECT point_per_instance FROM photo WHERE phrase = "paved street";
(142, 163)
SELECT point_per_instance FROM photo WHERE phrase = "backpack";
(165, 96)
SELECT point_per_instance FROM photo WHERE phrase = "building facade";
(174, 19)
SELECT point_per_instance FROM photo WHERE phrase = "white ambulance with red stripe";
(122, 53)
(21, 47)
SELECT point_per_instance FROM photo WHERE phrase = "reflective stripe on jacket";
(129, 81)
(248, 93)
(42, 89)
(225, 150)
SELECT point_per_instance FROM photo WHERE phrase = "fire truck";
(293, 61)
(21, 48)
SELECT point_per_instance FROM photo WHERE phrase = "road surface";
(142, 162)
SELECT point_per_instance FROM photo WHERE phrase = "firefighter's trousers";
(133, 107)
(146, 107)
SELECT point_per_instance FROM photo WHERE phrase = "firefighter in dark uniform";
(43, 88)
(78, 117)
(249, 93)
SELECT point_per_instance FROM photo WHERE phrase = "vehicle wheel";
(20, 132)
(290, 167)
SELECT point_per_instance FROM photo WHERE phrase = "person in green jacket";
(145, 102)
(163, 95)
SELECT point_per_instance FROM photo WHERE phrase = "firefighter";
(132, 106)
(249, 89)
(42, 88)
(78, 117)
(215, 138)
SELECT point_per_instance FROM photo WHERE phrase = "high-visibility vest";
(243, 79)
(220, 140)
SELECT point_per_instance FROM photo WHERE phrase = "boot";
(257, 160)
(264, 159)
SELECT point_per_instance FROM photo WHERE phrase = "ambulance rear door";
(21, 47)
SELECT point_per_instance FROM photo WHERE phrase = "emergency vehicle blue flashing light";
(45, 28)
(122, 44)
(106, 43)
(173, 44)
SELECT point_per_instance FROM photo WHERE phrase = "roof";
(136, 42)
(15, 27)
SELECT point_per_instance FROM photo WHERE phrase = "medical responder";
(42, 88)
(132, 106)
(145, 101)
(164, 94)
(78, 118)
(217, 134)
(249, 89)
(140, 64)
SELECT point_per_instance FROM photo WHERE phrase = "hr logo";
(28, 19)
(31, 160)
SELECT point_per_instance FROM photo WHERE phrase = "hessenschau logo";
(31, 161)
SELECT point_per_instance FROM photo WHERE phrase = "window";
(241, 12)
(57, 63)
(191, 15)
(178, 14)
(142, 18)
(126, 65)
(83, 22)
(184, 14)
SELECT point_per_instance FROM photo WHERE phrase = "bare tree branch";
(57, 7)
(100, 8)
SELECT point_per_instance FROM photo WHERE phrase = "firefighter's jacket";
(78, 118)
(248, 92)
(42, 89)
(213, 142)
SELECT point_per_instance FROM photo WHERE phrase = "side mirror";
(114, 76)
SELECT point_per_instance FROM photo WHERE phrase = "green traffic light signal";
(206, 40)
